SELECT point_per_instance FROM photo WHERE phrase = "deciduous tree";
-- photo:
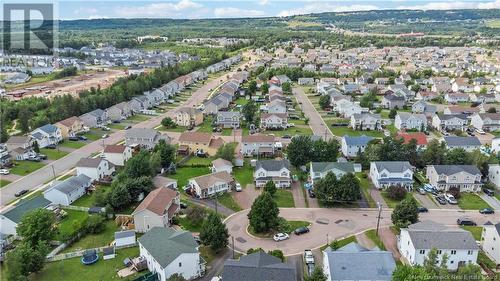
(263, 215)
(37, 226)
(405, 213)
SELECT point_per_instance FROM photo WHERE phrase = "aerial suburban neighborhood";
(337, 145)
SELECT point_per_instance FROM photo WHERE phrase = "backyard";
(244, 175)
(470, 201)
(95, 240)
(344, 130)
(68, 225)
(53, 154)
(25, 167)
(183, 174)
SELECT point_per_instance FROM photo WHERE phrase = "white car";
(4, 172)
(450, 198)
(280, 237)
(237, 187)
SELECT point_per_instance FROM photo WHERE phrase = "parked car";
(287, 137)
(105, 136)
(489, 192)
(127, 127)
(106, 129)
(429, 188)
(83, 138)
(311, 193)
(450, 199)
(42, 156)
(486, 211)
(301, 230)
(21, 193)
(201, 154)
(422, 191)
(51, 146)
(440, 198)
(280, 237)
(308, 257)
(183, 205)
(34, 159)
(465, 221)
(73, 138)
(4, 172)
(422, 210)
(237, 187)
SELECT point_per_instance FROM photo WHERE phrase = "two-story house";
(408, 121)
(228, 119)
(144, 137)
(157, 209)
(488, 122)
(318, 170)
(449, 122)
(392, 101)
(391, 173)
(467, 143)
(118, 112)
(207, 185)
(70, 126)
(366, 121)
(188, 116)
(274, 121)
(47, 135)
(200, 142)
(95, 118)
(95, 168)
(277, 171)
(351, 146)
(258, 144)
(490, 238)
(117, 154)
(464, 177)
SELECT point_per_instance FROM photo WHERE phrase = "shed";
(124, 238)
(108, 253)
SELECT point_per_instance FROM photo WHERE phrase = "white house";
(464, 177)
(467, 143)
(450, 122)
(207, 185)
(274, 120)
(366, 121)
(318, 170)
(488, 122)
(495, 145)
(183, 256)
(491, 239)
(47, 135)
(12, 216)
(494, 174)
(157, 209)
(386, 173)
(408, 121)
(117, 154)
(277, 171)
(258, 144)
(95, 168)
(69, 190)
(350, 146)
(416, 241)
(219, 165)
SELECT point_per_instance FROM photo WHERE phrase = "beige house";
(187, 116)
(491, 238)
(207, 185)
(157, 209)
(200, 142)
(70, 126)
(465, 177)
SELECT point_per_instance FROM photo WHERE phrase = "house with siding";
(409, 121)
(366, 121)
(277, 171)
(388, 173)
(95, 168)
(465, 177)
(47, 135)
(488, 122)
(10, 218)
(157, 209)
(70, 126)
(258, 266)
(228, 119)
(95, 118)
(69, 190)
(351, 146)
(207, 185)
(318, 170)
(449, 122)
(144, 137)
(258, 144)
(467, 143)
(188, 116)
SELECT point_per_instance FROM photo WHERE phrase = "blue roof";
(49, 128)
(357, 141)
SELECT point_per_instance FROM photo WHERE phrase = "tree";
(4, 136)
(37, 226)
(270, 187)
(119, 197)
(316, 275)
(155, 161)
(263, 215)
(25, 259)
(176, 277)
(254, 250)
(23, 119)
(214, 233)
(458, 156)
(36, 147)
(492, 110)
(396, 192)
(277, 253)
(470, 272)
(252, 87)
(226, 152)
(167, 153)
(286, 87)
(264, 88)
(137, 166)
(324, 101)
(196, 214)
(405, 213)
(431, 265)
(434, 154)
(249, 111)
(299, 150)
(408, 272)
(330, 190)
(167, 122)
(393, 113)
(323, 151)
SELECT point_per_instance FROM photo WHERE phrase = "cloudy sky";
(91, 9)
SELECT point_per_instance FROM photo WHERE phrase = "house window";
(422, 251)
(469, 252)
(180, 264)
(439, 252)
(451, 262)
(453, 252)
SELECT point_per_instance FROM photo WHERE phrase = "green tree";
(434, 154)
(299, 150)
(167, 122)
(286, 87)
(270, 187)
(137, 166)
(405, 213)
(196, 214)
(317, 275)
(119, 197)
(226, 152)
(433, 268)
(492, 110)
(214, 233)
(323, 151)
(167, 153)
(24, 260)
(23, 119)
(4, 136)
(277, 253)
(176, 277)
(324, 101)
(252, 87)
(37, 226)
(36, 147)
(254, 250)
(393, 113)
(155, 161)
(264, 88)
(408, 272)
(263, 215)
(249, 111)
(330, 190)
(458, 156)
(470, 272)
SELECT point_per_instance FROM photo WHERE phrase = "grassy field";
(88, 200)
(372, 235)
(198, 161)
(365, 189)
(73, 144)
(183, 174)
(292, 131)
(117, 126)
(391, 202)
(4, 183)
(67, 225)
(244, 175)
(138, 118)
(95, 240)
(53, 154)
(25, 167)
(284, 198)
(74, 270)
(476, 231)
(228, 201)
(470, 201)
(344, 130)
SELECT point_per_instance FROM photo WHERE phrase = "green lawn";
(73, 144)
(183, 174)
(95, 240)
(178, 129)
(391, 202)
(483, 258)
(138, 118)
(198, 161)
(372, 235)
(53, 154)
(4, 183)
(241, 101)
(476, 231)
(25, 167)
(291, 131)
(87, 200)
(94, 135)
(470, 201)
(365, 189)
(74, 270)
(67, 225)
(228, 201)
(117, 126)
(284, 198)
(344, 130)
(189, 225)
(342, 242)
(244, 175)
(296, 224)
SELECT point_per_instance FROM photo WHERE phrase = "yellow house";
(188, 116)
(202, 142)
(70, 126)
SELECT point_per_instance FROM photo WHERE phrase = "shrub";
(196, 214)
(284, 226)
(455, 191)
(396, 192)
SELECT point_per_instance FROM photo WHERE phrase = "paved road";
(341, 223)
(36, 179)
(317, 124)
(492, 201)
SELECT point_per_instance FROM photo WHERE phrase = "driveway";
(491, 200)
(298, 195)
(247, 195)
(317, 124)
(427, 202)
(336, 223)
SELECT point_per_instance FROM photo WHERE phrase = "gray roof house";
(387, 173)
(319, 170)
(10, 218)
(94, 118)
(467, 143)
(144, 137)
(69, 190)
(228, 119)
(354, 262)
(352, 145)
(47, 135)
(258, 266)
(277, 171)
(464, 177)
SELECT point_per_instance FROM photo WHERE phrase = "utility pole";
(233, 245)
(327, 241)
(53, 171)
(379, 214)
(216, 203)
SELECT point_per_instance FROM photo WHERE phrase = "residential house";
(488, 122)
(118, 112)
(441, 87)
(465, 177)
(366, 122)
(47, 135)
(494, 174)
(117, 154)
(142, 102)
(306, 81)
(144, 137)
(95, 118)
(274, 121)
(258, 266)
(454, 98)
(419, 137)
(258, 144)
(69, 190)
(21, 153)
(219, 165)
(387, 173)
(168, 252)
(95, 168)
(462, 85)
(11, 218)
(207, 185)
(70, 126)
(450, 122)
(468, 143)
(157, 209)
(276, 106)
(409, 121)
(200, 142)
(426, 95)
(422, 107)
(188, 117)
(490, 238)
(392, 101)
(495, 145)
(25, 142)
(348, 108)
(351, 146)
(417, 240)
(5, 156)
(277, 171)
(355, 262)
(213, 105)
(228, 119)
(318, 170)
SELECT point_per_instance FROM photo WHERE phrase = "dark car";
(486, 211)
(21, 193)
(422, 210)
(465, 221)
(73, 138)
(42, 156)
(201, 154)
(287, 137)
(441, 200)
(311, 193)
(34, 159)
(183, 205)
(489, 192)
(301, 230)
(83, 138)
(51, 146)
(127, 127)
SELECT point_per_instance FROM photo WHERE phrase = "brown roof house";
(157, 209)
(70, 126)
(200, 142)
(207, 185)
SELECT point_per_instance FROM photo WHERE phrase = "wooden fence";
(65, 256)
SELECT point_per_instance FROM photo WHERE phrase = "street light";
(379, 213)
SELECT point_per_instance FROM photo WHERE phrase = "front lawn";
(284, 198)
(244, 175)
(73, 144)
(138, 118)
(4, 183)
(391, 203)
(53, 154)
(25, 167)
(116, 126)
(94, 135)
(178, 129)
(470, 201)
(291, 131)
(372, 235)
(476, 231)
(67, 227)
(74, 270)
(365, 184)
(95, 240)
(344, 130)
(183, 174)
(228, 201)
